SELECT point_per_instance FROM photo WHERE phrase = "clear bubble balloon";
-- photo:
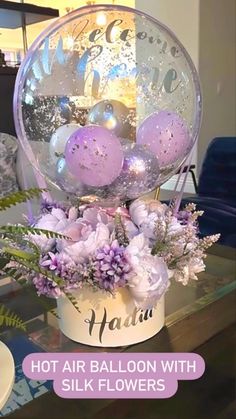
(127, 73)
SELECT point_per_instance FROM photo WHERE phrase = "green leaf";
(19, 243)
(73, 300)
(61, 283)
(38, 269)
(19, 197)
(9, 318)
(22, 230)
(120, 231)
(18, 253)
(50, 275)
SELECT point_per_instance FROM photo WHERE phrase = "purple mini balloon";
(139, 173)
(166, 134)
(94, 155)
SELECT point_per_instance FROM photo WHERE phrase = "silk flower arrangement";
(141, 248)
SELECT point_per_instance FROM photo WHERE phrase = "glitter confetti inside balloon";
(139, 172)
(166, 134)
(111, 114)
(59, 139)
(94, 155)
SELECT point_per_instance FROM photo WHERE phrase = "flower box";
(108, 321)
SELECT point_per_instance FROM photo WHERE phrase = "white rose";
(138, 212)
(150, 283)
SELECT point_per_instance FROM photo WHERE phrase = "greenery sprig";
(19, 257)
(10, 319)
(13, 230)
(19, 197)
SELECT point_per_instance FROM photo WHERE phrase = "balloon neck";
(93, 200)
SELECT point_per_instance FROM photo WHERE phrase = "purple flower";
(184, 217)
(51, 262)
(47, 206)
(47, 287)
(63, 266)
(111, 268)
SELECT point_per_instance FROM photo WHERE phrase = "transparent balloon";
(126, 73)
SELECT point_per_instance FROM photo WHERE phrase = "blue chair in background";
(216, 192)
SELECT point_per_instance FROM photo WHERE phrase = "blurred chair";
(216, 192)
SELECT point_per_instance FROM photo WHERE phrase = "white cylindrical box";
(106, 320)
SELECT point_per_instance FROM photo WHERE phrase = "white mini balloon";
(59, 139)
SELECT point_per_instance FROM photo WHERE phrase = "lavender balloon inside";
(94, 155)
(166, 134)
